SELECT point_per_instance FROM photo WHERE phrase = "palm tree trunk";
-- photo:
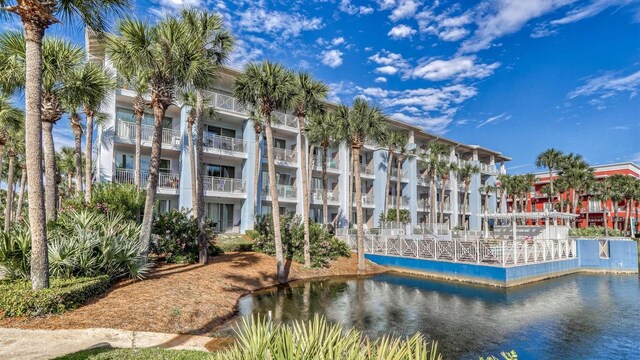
(192, 164)
(627, 215)
(387, 185)
(432, 199)
(137, 162)
(275, 205)
(8, 211)
(442, 192)
(88, 157)
(78, 160)
(398, 189)
(305, 192)
(587, 212)
(325, 184)
(1, 156)
(69, 182)
(152, 182)
(464, 204)
(49, 171)
(33, 147)
(355, 153)
(23, 184)
(256, 172)
(636, 217)
(202, 240)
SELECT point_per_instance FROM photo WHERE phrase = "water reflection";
(573, 317)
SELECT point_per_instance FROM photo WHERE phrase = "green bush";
(111, 198)
(252, 234)
(324, 246)
(593, 231)
(81, 244)
(405, 215)
(236, 245)
(176, 237)
(17, 298)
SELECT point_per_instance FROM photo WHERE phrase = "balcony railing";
(232, 104)
(283, 155)
(224, 143)
(487, 168)
(366, 169)
(284, 191)
(394, 173)
(127, 130)
(225, 185)
(332, 163)
(165, 180)
(332, 195)
(423, 204)
(283, 119)
(404, 201)
(367, 199)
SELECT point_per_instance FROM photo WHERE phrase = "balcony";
(167, 182)
(316, 196)
(223, 144)
(488, 168)
(231, 104)
(394, 173)
(367, 199)
(332, 163)
(289, 192)
(127, 131)
(366, 169)
(404, 201)
(423, 205)
(224, 185)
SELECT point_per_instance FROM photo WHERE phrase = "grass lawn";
(135, 354)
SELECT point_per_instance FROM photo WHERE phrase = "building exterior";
(597, 212)
(230, 153)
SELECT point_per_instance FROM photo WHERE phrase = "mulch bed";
(185, 299)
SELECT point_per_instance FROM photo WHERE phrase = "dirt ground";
(184, 299)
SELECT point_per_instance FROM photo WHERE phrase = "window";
(165, 166)
(221, 171)
(163, 206)
(280, 144)
(128, 116)
(221, 215)
(221, 131)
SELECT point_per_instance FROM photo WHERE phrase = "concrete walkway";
(48, 344)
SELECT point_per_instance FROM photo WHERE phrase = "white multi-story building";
(229, 155)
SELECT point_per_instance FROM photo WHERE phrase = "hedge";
(17, 298)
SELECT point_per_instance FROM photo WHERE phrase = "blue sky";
(517, 76)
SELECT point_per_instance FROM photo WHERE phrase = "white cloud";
(337, 41)
(243, 53)
(401, 31)
(453, 34)
(386, 4)
(457, 68)
(347, 7)
(587, 11)
(368, 48)
(332, 58)
(387, 70)
(446, 26)
(495, 120)
(608, 85)
(284, 24)
(497, 19)
(381, 79)
(386, 58)
(404, 9)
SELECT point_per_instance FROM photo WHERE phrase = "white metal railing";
(165, 180)
(229, 103)
(366, 169)
(367, 199)
(284, 191)
(332, 163)
(487, 168)
(423, 204)
(394, 173)
(286, 120)
(226, 185)
(224, 143)
(316, 195)
(504, 253)
(404, 201)
(283, 155)
(127, 130)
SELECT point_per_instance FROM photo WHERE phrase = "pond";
(581, 316)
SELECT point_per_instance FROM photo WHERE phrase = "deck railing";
(504, 253)
(332, 163)
(404, 201)
(165, 180)
(127, 130)
(366, 169)
(283, 155)
(367, 199)
(316, 195)
(224, 143)
(284, 191)
(226, 185)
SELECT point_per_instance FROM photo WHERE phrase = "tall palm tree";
(390, 140)
(267, 87)
(551, 159)
(434, 152)
(403, 152)
(504, 180)
(485, 191)
(354, 126)
(11, 119)
(603, 193)
(66, 163)
(588, 188)
(213, 44)
(320, 131)
(308, 96)
(139, 83)
(466, 171)
(15, 146)
(617, 185)
(627, 188)
(23, 184)
(165, 53)
(528, 181)
(36, 17)
(443, 170)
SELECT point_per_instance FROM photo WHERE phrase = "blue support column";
(184, 191)
(379, 183)
(247, 215)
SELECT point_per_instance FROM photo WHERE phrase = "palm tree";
(617, 185)
(23, 184)
(504, 180)
(165, 53)
(485, 191)
(551, 159)
(390, 140)
(528, 180)
(443, 170)
(354, 126)
(603, 193)
(87, 87)
(15, 146)
(308, 96)
(267, 87)
(466, 171)
(213, 43)
(11, 119)
(403, 152)
(320, 131)
(66, 163)
(435, 150)
(588, 188)
(36, 18)
(139, 83)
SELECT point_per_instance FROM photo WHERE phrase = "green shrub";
(81, 244)
(593, 231)
(324, 246)
(235, 245)
(405, 215)
(252, 234)
(176, 236)
(17, 298)
(111, 198)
